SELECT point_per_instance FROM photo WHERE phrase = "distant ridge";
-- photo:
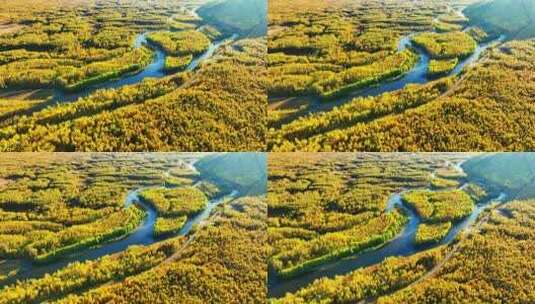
(509, 171)
(245, 171)
(246, 17)
(515, 18)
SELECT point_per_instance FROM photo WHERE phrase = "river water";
(417, 75)
(154, 70)
(143, 235)
(402, 245)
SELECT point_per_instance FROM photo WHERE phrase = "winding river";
(402, 245)
(143, 235)
(417, 75)
(154, 70)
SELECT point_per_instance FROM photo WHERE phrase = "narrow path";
(497, 42)
(449, 254)
(178, 254)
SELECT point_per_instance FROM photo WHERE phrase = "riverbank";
(418, 74)
(401, 245)
(143, 234)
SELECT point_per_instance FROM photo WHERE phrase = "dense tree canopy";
(57, 205)
(490, 261)
(326, 206)
(224, 263)
(322, 64)
(218, 104)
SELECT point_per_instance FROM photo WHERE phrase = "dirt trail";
(178, 254)
(446, 258)
(175, 256)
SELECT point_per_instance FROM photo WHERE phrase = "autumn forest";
(401, 228)
(267, 151)
(373, 75)
(95, 228)
(102, 75)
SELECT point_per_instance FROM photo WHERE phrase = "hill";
(244, 171)
(515, 18)
(247, 17)
(512, 171)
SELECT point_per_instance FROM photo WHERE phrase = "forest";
(328, 50)
(236, 233)
(175, 202)
(128, 76)
(52, 210)
(187, 42)
(440, 206)
(168, 271)
(175, 205)
(501, 251)
(464, 86)
(69, 50)
(446, 45)
(84, 227)
(490, 260)
(323, 208)
(132, 261)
